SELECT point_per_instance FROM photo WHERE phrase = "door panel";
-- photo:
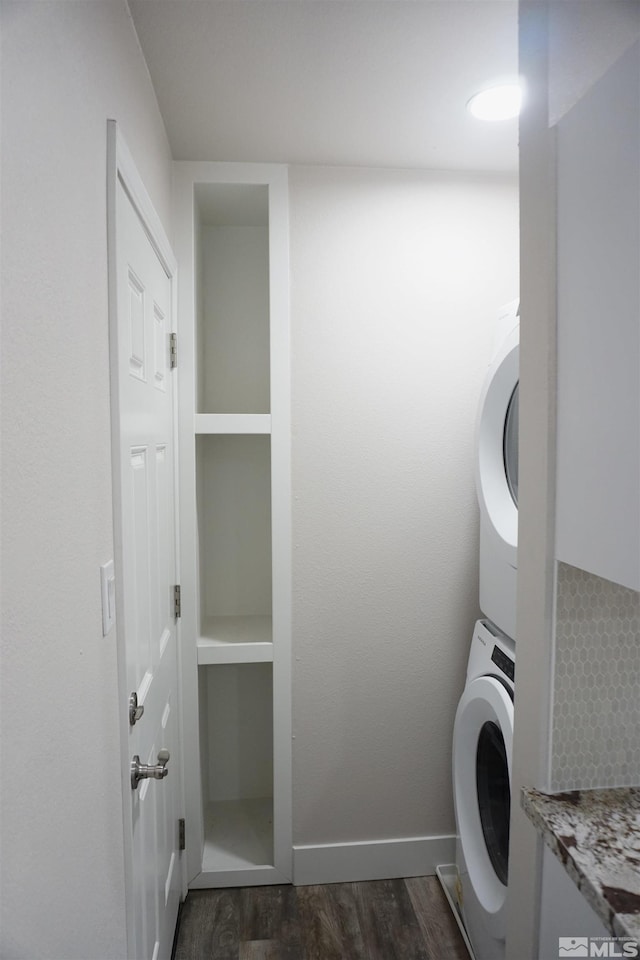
(146, 555)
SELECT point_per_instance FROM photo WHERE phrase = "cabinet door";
(565, 915)
(598, 463)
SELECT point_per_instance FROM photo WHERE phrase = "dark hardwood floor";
(377, 920)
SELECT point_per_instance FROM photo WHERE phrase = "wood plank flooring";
(377, 920)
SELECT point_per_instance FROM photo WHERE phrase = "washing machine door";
(482, 745)
(497, 446)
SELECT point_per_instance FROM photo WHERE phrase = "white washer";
(482, 748)
(497, 476)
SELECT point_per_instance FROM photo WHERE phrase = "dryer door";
(497, 447)
(482, 745)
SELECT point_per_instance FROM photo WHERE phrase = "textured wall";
(66, 68)
(396, 280)
(596, 708)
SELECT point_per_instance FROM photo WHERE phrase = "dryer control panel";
(504, 662)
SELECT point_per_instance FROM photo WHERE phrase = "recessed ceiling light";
(501, 102)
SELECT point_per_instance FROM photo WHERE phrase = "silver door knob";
(146, 771)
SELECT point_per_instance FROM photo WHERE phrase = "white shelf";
(238, 835)
(235, 519)
(232, 423)
(245, 639)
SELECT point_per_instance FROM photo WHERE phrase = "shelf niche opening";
(232, 298)
(236, 744)
(233, 492)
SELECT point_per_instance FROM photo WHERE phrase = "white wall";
(66, 68)
(234, 358)
(396, 280)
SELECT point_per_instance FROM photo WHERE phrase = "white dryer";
(482, 749)
(497, 476)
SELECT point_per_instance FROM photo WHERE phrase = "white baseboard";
(371, 860)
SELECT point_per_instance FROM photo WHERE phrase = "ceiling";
(357, 82)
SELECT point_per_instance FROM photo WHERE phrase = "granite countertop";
(596, 835)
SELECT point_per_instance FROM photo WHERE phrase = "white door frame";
(121, 168)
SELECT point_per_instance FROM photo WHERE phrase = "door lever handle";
(146, 771)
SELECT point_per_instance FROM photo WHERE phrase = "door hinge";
(182, 843)
(177, 602)
(173, 350)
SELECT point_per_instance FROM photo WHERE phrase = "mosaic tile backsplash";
(596, 711)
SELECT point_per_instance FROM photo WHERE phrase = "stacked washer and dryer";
(483, 730)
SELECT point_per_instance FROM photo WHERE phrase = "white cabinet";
(598, 462)
(231, 237)
(564, 912)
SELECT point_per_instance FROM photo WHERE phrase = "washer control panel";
(504, 662)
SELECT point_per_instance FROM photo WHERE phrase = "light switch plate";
(108, 590)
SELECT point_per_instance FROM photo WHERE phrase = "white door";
(145, 532)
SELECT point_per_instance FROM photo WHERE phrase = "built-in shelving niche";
(232, 220)
(233, 299)
(236, 743)
(234, 524)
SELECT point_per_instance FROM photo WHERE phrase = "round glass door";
(497, 448)
(510, 444)
(482, 745)
(494, 796)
